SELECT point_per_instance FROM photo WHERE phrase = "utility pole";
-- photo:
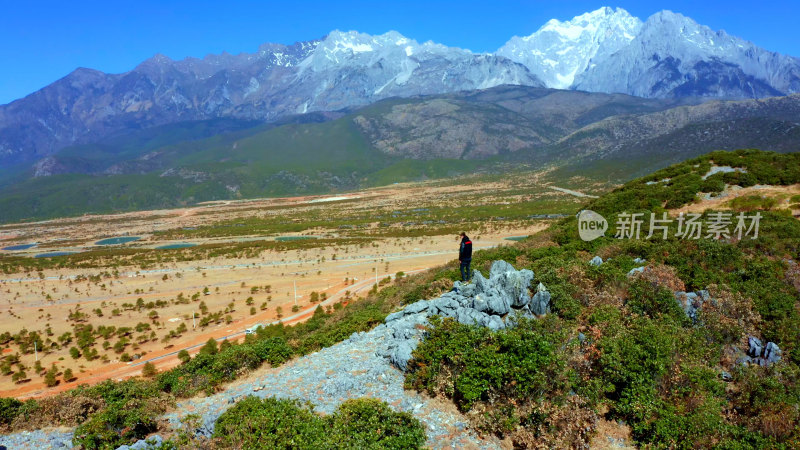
(35, 350)
(376, 274)
(194, 325)
(295, 291)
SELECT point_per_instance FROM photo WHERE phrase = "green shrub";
(270, 423)
(366, 423)
(120, 423)
(654, 301)
(9, 408)
(516, 362)
(752, 203)
(280, 423)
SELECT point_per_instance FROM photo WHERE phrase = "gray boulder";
(512, 319)
(466, 289)
(417, 307)
(479, 282)
(772, 353)
(635, 270)
(500, 268)
(540, 303)
(498, 302)
(756, 348)
(763, 355)
(495, 303)
(495, 323)
(514, 284)
(596, 261)
(152, 442)
(400, 353)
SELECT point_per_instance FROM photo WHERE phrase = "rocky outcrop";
(758, 353)
(691, 302)
(496, 303)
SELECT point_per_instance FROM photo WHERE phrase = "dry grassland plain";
(102, 311)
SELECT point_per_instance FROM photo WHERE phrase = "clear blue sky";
(42, 41)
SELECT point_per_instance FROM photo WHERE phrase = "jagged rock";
(495, 323)
(755, 347)
(772, 353)
(635, 270)
(596, 261)
(154, 441)
(480, 303)
(495, 303)
(400, 354)
(512, 282)
(394, 316)
(466, 289)
(726, 376)
(444, 306)
(512, 319)
(639, 261)
(498, 302)
(691, 302)
(479, 282)
(759, 354)
(540, 304)
(499, 268)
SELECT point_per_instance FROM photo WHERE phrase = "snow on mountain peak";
(558, 51)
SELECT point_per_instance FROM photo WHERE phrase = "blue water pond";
(52, 254)
(174, 246)
(117, 240)
(19, 247)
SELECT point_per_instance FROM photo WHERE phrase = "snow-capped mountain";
(669, 55)
(674, 56)
(559, 51)
(342, 70)
(606, 50)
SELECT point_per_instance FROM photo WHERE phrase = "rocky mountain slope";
(607, 50)
(559, 51)
(668, 55)
(343, 69)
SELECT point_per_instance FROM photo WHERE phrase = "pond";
(19, 247)
(516, 238)
(53, 254)
(294, 238)
(117, 240)
(174, 246)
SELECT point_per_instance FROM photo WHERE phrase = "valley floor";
(246, 260)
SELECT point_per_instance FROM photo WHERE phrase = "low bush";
(279, 423)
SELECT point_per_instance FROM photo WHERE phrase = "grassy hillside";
(292, 159)
(617, 347)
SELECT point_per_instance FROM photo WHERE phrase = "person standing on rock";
(465, 256)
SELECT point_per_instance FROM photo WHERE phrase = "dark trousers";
(465, 273)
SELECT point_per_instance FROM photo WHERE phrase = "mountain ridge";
(606, 50)
(608, 137)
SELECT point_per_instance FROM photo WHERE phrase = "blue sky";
(43, 41)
